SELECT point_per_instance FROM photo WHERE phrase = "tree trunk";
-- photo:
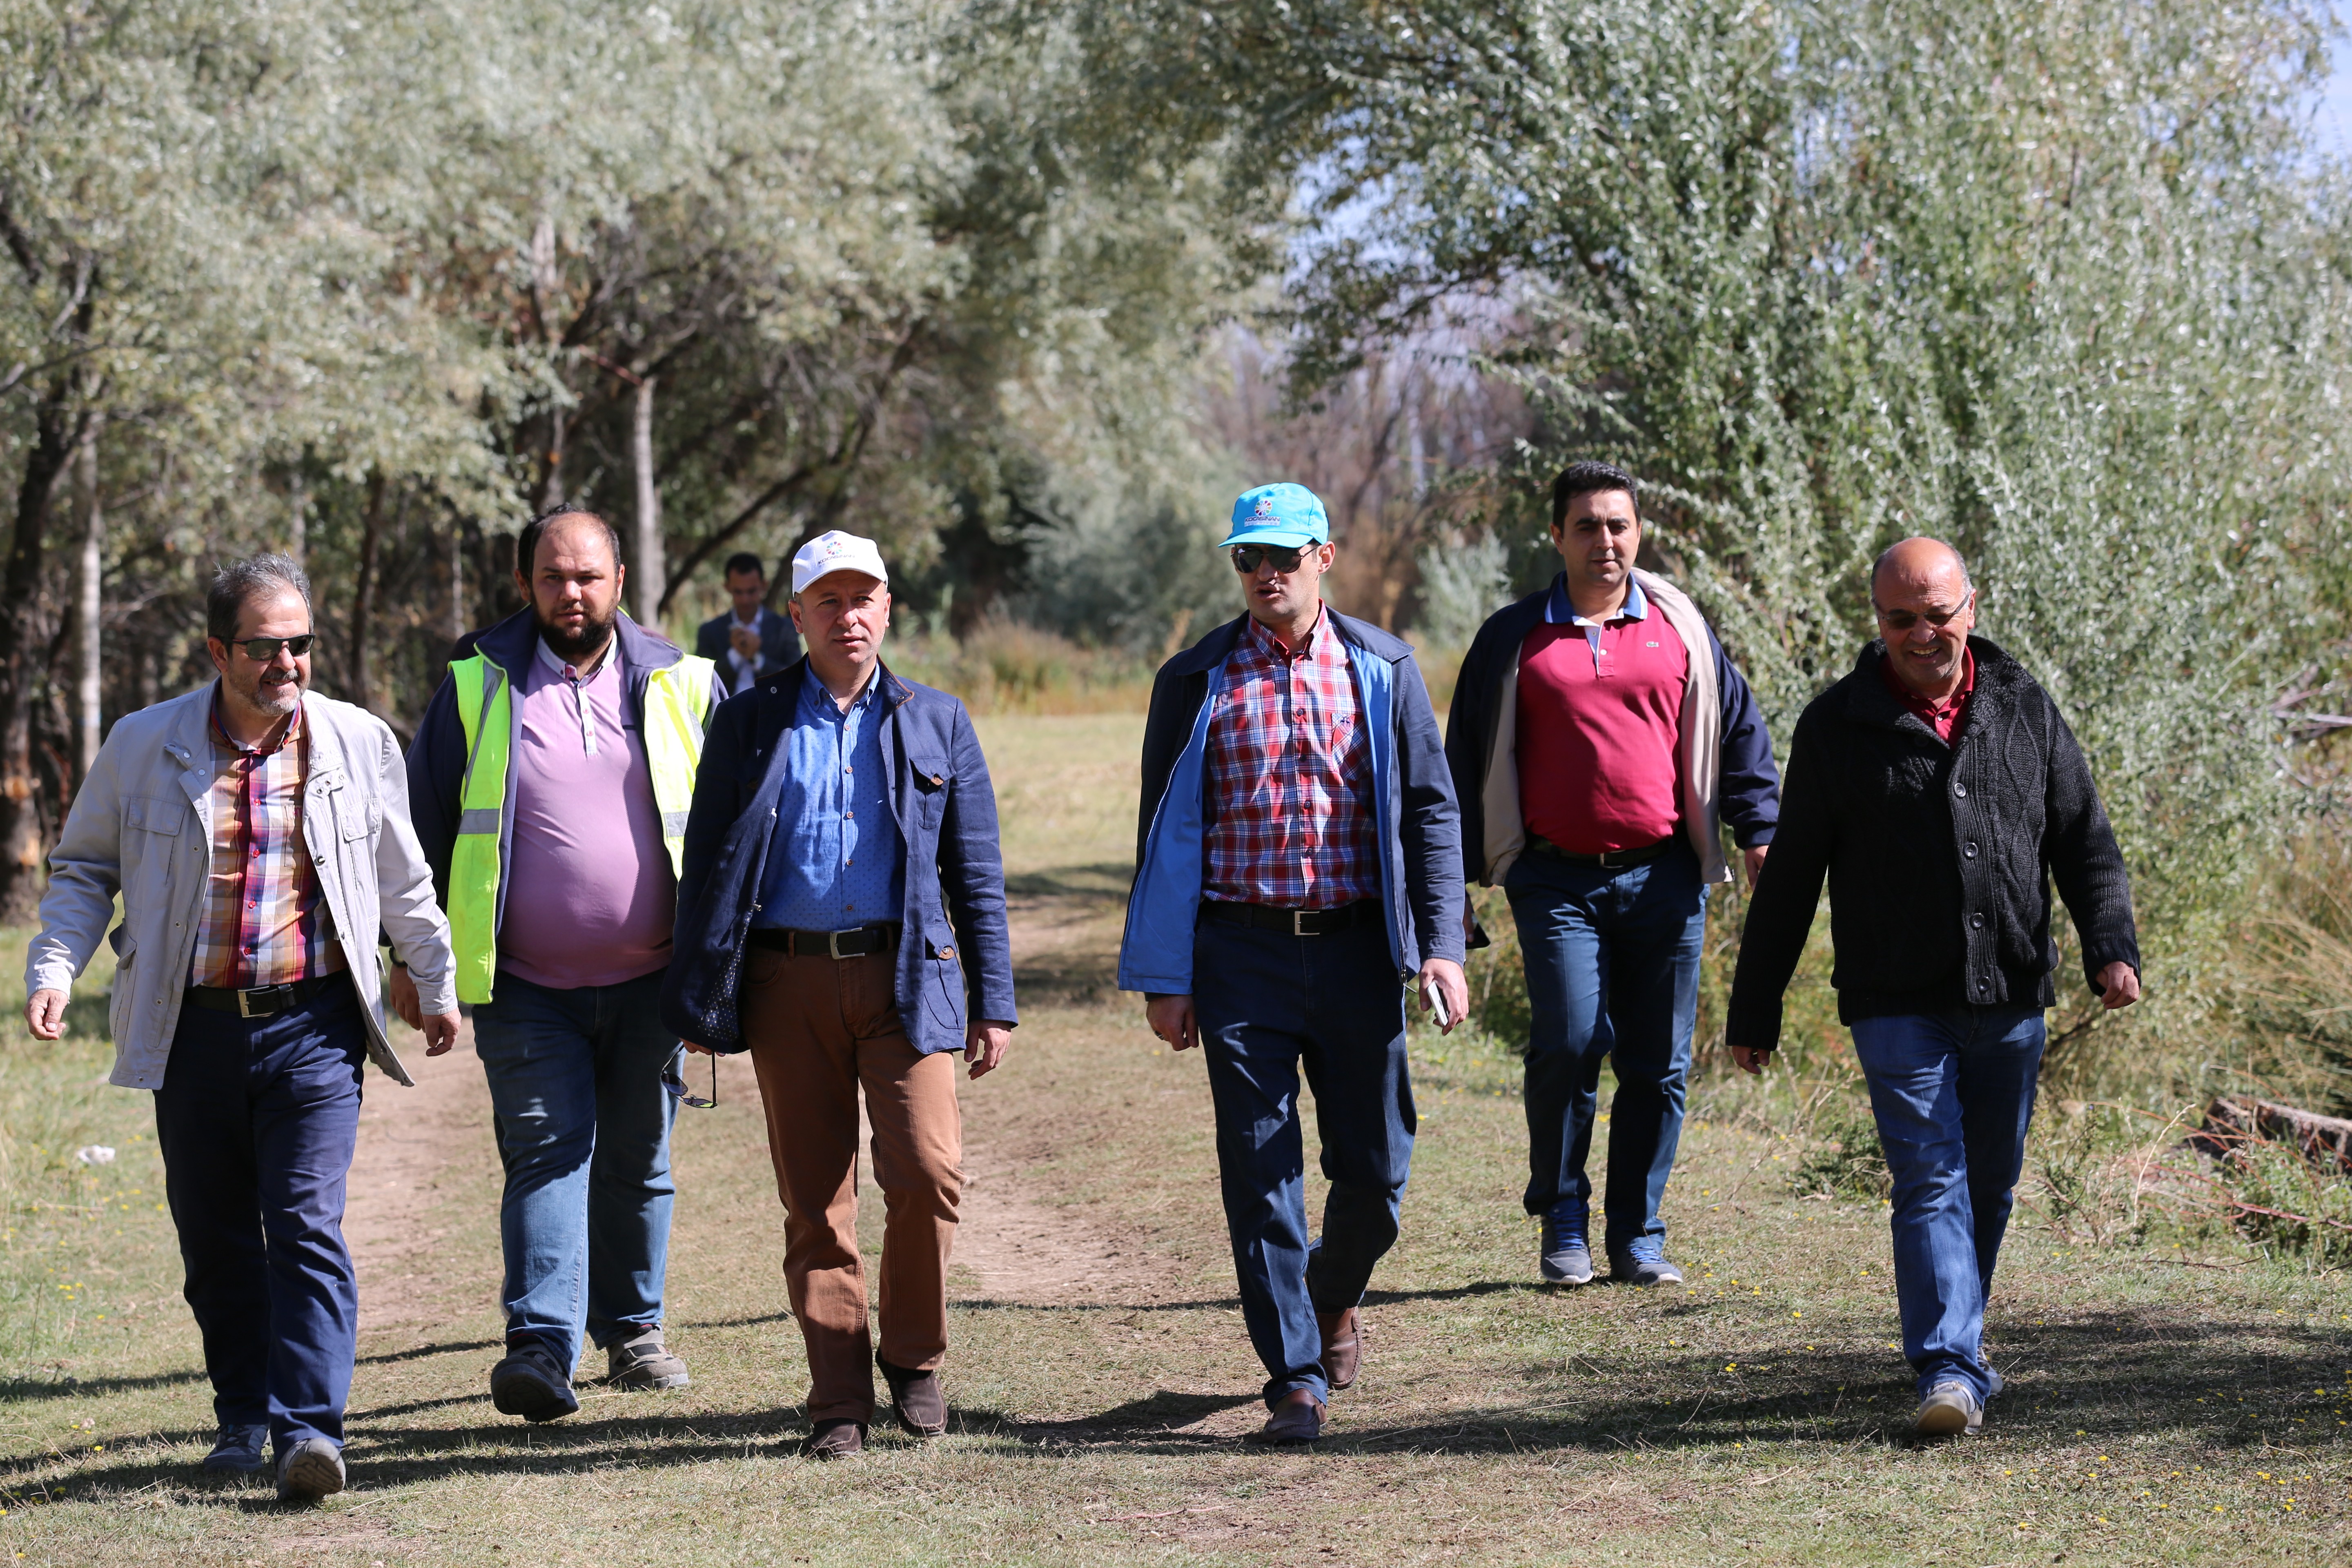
(649, 595)
(24, 619)
(298, 499)
(87, 733)
(363, 596)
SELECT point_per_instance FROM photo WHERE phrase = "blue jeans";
(1266, 1001)
(583, 1129)
(255, 1120)
(1612, 961)
(1953, 1093)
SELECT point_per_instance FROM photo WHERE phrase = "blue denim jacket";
(955, 959)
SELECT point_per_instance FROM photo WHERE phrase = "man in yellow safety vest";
(551, 782)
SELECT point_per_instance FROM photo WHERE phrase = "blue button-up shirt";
(1560, 611)
(837, 859)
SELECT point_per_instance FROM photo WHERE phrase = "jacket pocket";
(931, 780)
(152, 816)
(942, 986)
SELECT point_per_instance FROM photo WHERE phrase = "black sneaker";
(237, 1451)
(1644, 1263)
(530, 1384)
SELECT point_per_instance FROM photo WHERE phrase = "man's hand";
(983, 1045)
(697, 1050)
(1748, 1059)
(44, 1014)
(2118, 987)
(1443, 977)
(440, 1031)
(1754, 856)
(1171, 1020)
(405, 1003)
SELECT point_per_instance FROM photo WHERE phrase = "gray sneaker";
(237, 1451)
(1950, 1409)
(1644, 1263)
(643, 1362)
(1994, 1382)
(310, 1470)
(1565, 1257)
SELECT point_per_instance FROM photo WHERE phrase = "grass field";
(2162, 1408)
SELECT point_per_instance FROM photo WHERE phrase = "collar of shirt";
(1560, 611)
(817, 701)
(553, 664)
(227, 742)
(1938, 715)
(1270, 647)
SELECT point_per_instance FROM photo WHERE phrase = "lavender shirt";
(592, 895)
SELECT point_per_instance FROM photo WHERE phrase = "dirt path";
(412, 1140)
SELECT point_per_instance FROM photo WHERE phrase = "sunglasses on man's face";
(261, 650)
(673, 1079)
(1903, 620)
(1285, 558)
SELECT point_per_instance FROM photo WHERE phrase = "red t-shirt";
(1946, 717)
(1600, 734)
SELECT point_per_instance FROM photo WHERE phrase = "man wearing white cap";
(841, 917)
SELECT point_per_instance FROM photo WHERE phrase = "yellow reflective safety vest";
(677, 706)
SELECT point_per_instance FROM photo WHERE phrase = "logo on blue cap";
(1284, 514)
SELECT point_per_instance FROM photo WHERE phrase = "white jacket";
(140, 825)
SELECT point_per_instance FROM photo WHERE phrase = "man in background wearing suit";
(750, 640)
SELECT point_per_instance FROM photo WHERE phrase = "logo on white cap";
(834, 551)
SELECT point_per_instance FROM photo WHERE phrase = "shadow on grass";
(2098, 1378)
(16, 1389)
(419, 1353)
(1104, 882)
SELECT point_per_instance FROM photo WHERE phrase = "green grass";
(2165, 1407)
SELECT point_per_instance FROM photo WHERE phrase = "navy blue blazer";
(779, 644)
(955, 957)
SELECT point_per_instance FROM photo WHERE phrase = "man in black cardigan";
(1938, 790)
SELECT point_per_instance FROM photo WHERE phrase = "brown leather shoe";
(1341, 1335)
(835, 1439)
(915, 1400)
(1298, 1419)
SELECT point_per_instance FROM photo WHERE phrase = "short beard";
(594, 634)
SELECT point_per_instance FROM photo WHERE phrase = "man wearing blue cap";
(1298, 856)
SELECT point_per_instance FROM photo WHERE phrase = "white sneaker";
(1949, 1409)
(310, 1470)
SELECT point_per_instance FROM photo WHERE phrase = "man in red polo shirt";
(1600, 742)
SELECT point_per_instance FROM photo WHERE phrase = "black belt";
(256, 1001)
(1294, 922)
(854, 943)
(1609, 860)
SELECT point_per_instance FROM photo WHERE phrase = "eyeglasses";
(1285, 558)
(1903, 620)
(261, 650)
(672, 1078)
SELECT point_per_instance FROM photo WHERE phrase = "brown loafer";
(1341, 1333)
(835, 1439)
(1295, 1420)
(915, 1400)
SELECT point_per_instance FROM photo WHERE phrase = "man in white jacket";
(259, 839)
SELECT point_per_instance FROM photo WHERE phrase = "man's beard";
(590, 641)
(275, 702)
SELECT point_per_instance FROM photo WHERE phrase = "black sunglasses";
(674, 1080)
(1285, 558)
(261, 650)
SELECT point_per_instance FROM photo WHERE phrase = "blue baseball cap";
(1278, 514)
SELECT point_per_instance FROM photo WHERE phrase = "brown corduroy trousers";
(819, 1030)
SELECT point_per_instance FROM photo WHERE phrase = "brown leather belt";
(1609, 860)
(256, 1001)
(1293, 922)
(854, 943)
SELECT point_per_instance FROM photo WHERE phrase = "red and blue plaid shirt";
(1290, 777)
(261, 922)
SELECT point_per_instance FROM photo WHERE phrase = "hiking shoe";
(834, 1439)
(1342, 1346)
(530, 1384)
(1293, 1421)
(1950, 1409)
(310, 1470)
(915, 1400)
(237, 1451)
(1567, 1257)
(643, 1362)
(1644, 1263)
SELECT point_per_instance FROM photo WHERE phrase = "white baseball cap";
(834, 551)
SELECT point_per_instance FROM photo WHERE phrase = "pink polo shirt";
(590, 894)
(1599, 732)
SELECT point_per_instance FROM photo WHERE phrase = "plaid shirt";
(261, 924)
(1290, 777)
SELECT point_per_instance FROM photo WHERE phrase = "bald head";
(1918, 562)
(1925, 611)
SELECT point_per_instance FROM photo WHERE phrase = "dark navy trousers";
(256, 1119)
(1266, 1003)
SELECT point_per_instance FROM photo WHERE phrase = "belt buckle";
(832, 944)
(1298, 922)
(245, 1001)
